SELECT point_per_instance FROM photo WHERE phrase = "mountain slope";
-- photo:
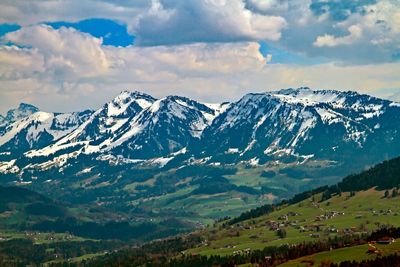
(3, 124)
(96, 132)
(287, 125)
(167, 126)
(23, 110)
(39, 130)
(137, 126)
(302, 123)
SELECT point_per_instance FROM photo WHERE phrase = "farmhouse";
(385, 240)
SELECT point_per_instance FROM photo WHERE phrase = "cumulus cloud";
(368, 33)
(340, 10)
(177, 22)
(312, 28)
(66, 62)
(63, 52)
(355, 33)
(66, 70)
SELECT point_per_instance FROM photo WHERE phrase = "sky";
(70, 55)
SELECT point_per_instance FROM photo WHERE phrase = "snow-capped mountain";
(39, 130)
(290, 124)
(23, 110)
(167, 126)
(96, 132)
(137, 126)
(305, 123)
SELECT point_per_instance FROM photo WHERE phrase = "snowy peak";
(127, 104)
(338, 99)
(21, 112)
(167, 126)
(108, 120)
(39, 130)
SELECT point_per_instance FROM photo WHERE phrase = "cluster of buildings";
(241, 251)
(328, 215)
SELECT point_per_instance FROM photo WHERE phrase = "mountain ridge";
(288, 124)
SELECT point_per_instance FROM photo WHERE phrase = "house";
(372, 250)
(291, 213)
(283, 217)
(385, 240)
(247, 250)
(333, 230)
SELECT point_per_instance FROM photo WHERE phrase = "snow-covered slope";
(137, 126)
(305, 123)
(39, 130)
(96, 132)
(167, 126)
(23, 110)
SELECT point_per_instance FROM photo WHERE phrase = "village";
(311, 221)
(38, 237)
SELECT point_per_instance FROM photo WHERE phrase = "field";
(309, 220)
(39, 237)
(76, 259)
(357, 253)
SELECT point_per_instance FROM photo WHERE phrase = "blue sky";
(112, 32)
(69, 55)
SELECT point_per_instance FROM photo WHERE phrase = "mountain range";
(290, 124)
(155, 158)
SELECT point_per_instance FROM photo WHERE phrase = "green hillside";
(356, 206)
(357, 253)
(23, 210)
(308, 220)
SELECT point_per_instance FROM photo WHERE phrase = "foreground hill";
(361, 203)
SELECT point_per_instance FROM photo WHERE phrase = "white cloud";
(63, 52)
(371, 36)
(64, 70)
(177, 22)
(28, 12)
(313, 28)
(63, 63)
(355, 34)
